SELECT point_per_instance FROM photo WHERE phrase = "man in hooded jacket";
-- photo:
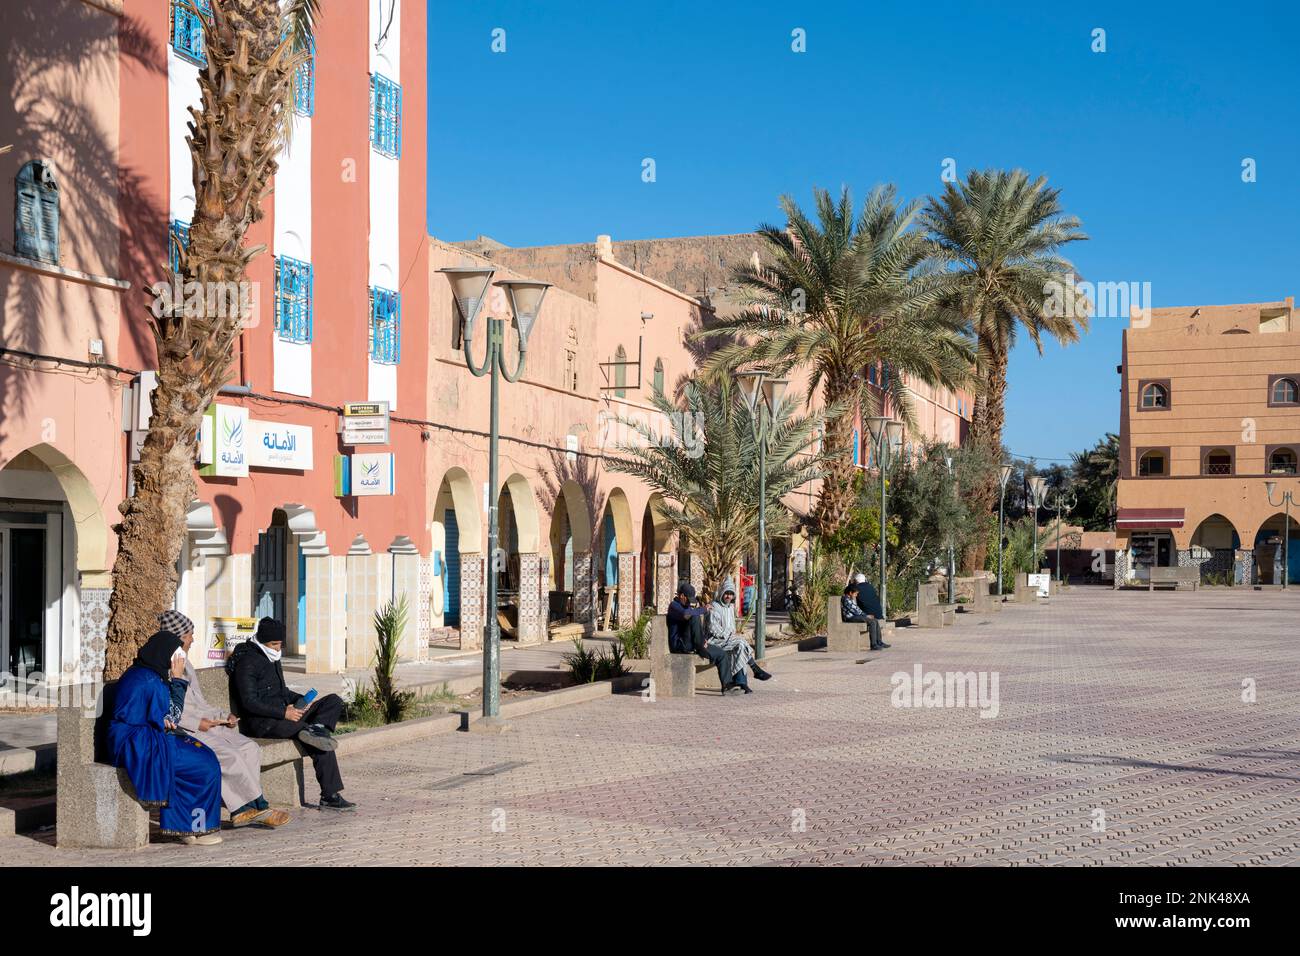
(732, 651)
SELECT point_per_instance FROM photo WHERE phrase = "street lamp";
(1037, 489)
(1057, 501)
(888, 436)
(468, 287)
(762, 393)
(1005, 474)
(1288, 501)
(952, 557)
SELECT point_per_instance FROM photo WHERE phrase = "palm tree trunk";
(837, 485)
(234, 138)
(986, 431)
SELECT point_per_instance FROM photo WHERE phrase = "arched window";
(659, 375)
(1152, 463)
(36, 212)
(1155, 395)
(1217, 461)
(1282, 462)
(620, 373)
(1284, 392)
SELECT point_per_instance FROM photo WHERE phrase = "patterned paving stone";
(1121, 737)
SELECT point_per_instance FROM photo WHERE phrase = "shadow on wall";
(52, 59)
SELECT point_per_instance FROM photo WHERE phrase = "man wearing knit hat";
(268, 708)
(240, 757)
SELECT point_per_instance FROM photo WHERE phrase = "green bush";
(586, 667)
(634, 641)
(390, 621)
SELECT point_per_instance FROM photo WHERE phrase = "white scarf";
(271, 655)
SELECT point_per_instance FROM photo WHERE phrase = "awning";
(1150, 518)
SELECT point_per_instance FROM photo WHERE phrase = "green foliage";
(1095, 479)
(820, 582)
(390, 622)
(855, 544)
(707, 471)
(587, 667)
(634, 641)
(930, 508)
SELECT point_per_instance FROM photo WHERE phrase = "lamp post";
(1287, 501)
(887, 435)
(764, 396)
(1005, 474)
(1057, 501)
(952, 557)
(1037, 488)
(468, 287)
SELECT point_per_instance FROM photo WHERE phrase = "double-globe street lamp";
(887, 435)
(1287, 501)
(469, 286)
(764, 396)
(1058, 501)
(1037, 491)
(1003, 476)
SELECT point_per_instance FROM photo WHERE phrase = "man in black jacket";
(268, 708)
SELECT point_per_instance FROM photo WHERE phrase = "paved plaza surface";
(1123, 709)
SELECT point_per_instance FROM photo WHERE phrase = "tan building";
(1210, 411)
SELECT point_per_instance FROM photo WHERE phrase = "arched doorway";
(570, 551)
(614, 556)
(656, 540)
(1213, 549)
(519, 599)
(52, 532)
(457, 533)
(1270, 552)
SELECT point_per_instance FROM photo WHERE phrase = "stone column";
(472, 585)
(406, 582)
(1243, 567)
(665, 580)
(583, 590)
(626, 589)
(799, 570)
(370, 584)
(326, 613)
(697, 573)
(1121, 567)
(530, 624)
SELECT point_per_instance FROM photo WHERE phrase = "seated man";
(684, 620)
(268, 708)
(240, 757)
(734, 651)
(850, 613)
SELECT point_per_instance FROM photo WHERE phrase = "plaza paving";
(1124, 703)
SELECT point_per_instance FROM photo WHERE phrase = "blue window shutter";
(294, 281)
(187, 28)
(36, 212)
(856, 451)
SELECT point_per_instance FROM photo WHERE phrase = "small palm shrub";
(390, 622)
(634, 641)
(586, 667)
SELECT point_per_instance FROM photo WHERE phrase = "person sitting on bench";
(851, 613)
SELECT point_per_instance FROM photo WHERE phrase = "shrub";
(586, 667)
(390, 621)
(634, 641)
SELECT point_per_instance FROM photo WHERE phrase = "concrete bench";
(850, 637)
(1025, 594)
(677, 675)
(930, 612)
(976, 590)
(1175, 576)
(96, 805)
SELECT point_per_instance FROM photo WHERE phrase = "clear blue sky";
(544, 143)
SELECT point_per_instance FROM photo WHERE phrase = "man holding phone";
(268, 708)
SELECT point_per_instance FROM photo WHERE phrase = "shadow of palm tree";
(1102, 760)
(54, 65)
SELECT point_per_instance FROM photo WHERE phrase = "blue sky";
(544, 143)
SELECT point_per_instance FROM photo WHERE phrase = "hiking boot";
(317, 737)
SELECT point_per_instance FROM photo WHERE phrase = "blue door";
(451, 573)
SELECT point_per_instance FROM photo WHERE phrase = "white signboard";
(373, 474)
(365, 423)
(278, 445)
(223, 442)
(141, 411)
(1043, 582)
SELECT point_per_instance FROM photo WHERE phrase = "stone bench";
(930, 612)
(1024, 594)
(850, 637)
(976, 590)
(96, 805)
(677, 675)
(1175, 576)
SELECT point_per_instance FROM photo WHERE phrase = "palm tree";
(842, 296)
(1096, 474)
(254, 49)
(997, 237)
(707, 473)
